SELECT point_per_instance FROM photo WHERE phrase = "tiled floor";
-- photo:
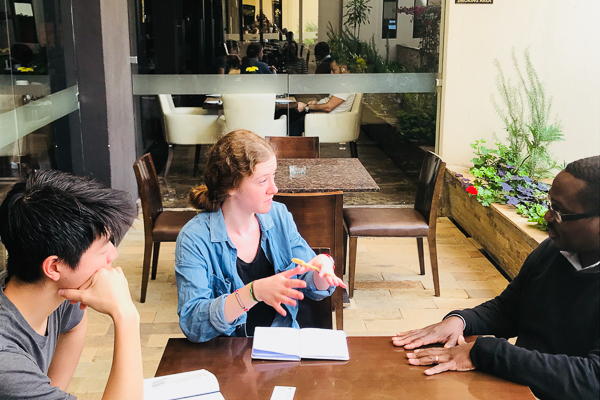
(390, 297)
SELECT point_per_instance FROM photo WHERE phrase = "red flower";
(471, 190)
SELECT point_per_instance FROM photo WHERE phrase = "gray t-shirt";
(25, 356)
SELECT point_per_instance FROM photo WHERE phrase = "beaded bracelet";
(239, 300)
(252, 292)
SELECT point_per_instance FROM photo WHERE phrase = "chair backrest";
(357, 107)
(254, 112)
(429, 186)
(166, 103)
(313, 313)
(149, 190)
(307, 58)
(295, 146)
(319, 218)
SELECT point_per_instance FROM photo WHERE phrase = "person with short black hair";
(251, 64)
(60, 233)
(322, 53)
(552, 306)
(333, 103)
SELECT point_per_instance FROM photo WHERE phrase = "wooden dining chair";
(418, 222)
(316, 313)
(319, 218)
(295, 146)
(160, 225)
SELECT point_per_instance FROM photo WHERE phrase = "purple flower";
(516, 178)
(501, 173)
(506, 187)
(527, 179)
(512, 200)
(458, 175)
(510, 167)
(543, 187)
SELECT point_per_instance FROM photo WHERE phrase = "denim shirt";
(205, 268)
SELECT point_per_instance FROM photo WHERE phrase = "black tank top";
(261, 314)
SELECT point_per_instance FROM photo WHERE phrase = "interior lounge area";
(382, 115)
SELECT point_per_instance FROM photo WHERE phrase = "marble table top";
(324, 175)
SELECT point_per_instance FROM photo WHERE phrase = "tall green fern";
(531, 134)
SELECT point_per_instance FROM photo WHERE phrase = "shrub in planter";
(416, 119)
(499, 181)
(359, 56)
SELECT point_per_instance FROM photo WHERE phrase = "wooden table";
(210, 103)
(324, 175)
(376, 370)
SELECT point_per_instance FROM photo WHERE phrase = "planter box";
(506, 236)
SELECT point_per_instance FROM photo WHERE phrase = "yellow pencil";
(305, 264)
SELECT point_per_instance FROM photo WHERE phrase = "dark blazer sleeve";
(550, 376)
(499, 316)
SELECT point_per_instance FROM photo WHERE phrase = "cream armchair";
(254, 112)
(341, 127)
(187, 126)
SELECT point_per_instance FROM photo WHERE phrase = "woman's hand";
(279, 288)
(326, 276)
(312, 102)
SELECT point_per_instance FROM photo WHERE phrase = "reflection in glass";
(35, 89)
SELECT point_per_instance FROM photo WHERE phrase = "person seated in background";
(334, 103)
(321, 53)
(234, 63)
(60, 232)
(262, 24)
(290, 51)
(251, 64)
(552, 306)
(220, 62)
(233, 263)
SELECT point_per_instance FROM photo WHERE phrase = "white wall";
(563, 37)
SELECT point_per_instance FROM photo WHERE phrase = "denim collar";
(218, 230)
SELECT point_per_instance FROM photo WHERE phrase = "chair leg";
(434, 265)
(421, 255)
(338, 301)
(353, 150)
(146, 269)
(169, 159)
(352, 266)
(155, 259)
(345, 244)
(197, 158)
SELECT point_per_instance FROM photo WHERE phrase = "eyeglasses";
(560, 217)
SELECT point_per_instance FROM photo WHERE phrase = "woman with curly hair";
(233, 261)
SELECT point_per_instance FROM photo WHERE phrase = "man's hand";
(279, 288)
(447, 359)
(446, 332)
(106, 291)
(301, 106)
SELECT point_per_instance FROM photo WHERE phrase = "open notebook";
(201, 385)
(294, 344)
